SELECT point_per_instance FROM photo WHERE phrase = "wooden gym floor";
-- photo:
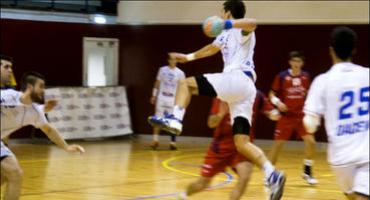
(126, 169)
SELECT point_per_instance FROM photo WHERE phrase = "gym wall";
(55, 49)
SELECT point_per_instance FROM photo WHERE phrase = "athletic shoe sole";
(279, 192)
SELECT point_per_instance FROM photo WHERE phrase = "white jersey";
(169, 79)
(237, 49)
(15, 115)
(341, 95)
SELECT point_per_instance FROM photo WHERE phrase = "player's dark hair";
(7, 58)
(343, 41)
(236, 7)
(30, 78)
(296, 54)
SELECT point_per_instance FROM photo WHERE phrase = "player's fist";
(274, 115)
(282, 107)
(179, 57)
(50, 105)
(75, 148)
(214, 121)
(213, 26)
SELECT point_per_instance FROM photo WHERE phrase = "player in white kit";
(19, 109)
(8, 82)
(235, 85)
(163, 96)
(341, 96)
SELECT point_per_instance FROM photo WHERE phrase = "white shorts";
(237, 89)
(5, 152)
(164, 105)
(353, 179)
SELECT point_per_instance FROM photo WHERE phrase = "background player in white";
(20, 109)
(163, 96)
(8, 82)
(234, 86)
(341, 96)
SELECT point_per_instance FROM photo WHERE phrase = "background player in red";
(222, 152)
(288, 94)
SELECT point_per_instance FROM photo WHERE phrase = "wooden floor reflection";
(126, 170)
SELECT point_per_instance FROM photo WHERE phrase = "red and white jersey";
(15, 115)
(169, 79)
(292, 90)
(341, 96)
(237, 49)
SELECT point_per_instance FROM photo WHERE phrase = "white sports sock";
(155, 137)
(308, 162)
(268, 168)
(179, 112)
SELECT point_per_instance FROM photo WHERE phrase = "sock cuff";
(308, 162)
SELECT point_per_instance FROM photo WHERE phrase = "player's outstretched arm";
(54, 136)
(208, 50)
(247, 24)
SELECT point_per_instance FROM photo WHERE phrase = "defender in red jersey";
(288, 94)
(222, 152)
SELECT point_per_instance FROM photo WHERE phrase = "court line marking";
(166, 164)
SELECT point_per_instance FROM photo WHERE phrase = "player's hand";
(274, 115)
(50, 105)
(179, 57)
(214, 121)
(153, 100)
(282, 107)
(75, 148)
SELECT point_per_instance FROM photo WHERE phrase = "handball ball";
(213, 26)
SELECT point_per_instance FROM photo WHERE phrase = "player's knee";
(241, 126)
(14, 174)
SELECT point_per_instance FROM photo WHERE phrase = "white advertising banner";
(90, 112)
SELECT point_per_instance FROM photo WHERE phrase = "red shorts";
(287, 125)
(215, 163)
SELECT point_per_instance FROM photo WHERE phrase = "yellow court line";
(166, 164)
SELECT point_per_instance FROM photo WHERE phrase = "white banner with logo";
(90, 112)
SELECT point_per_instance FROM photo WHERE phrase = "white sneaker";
(276, 183)
(310, 179)
(168, 123)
